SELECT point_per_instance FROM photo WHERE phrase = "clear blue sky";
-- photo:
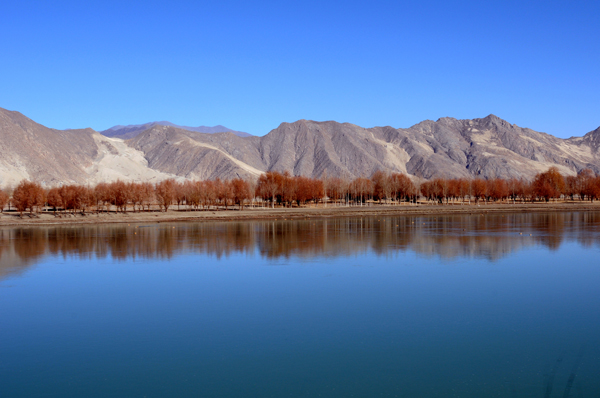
(252, 65)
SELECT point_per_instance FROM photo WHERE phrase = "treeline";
(545, 186)
(281, 189)
(122, 196)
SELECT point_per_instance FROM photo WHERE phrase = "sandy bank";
(174, 215)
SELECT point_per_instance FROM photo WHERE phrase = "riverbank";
(174, 215)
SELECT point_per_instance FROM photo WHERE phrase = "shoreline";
(174, 215)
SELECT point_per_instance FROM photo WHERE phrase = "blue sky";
(252, 65)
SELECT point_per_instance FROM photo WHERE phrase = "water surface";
(457, 306)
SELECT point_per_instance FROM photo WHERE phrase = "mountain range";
(132, 130)
(487, 147)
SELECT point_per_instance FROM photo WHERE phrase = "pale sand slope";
(52, 157)
(117, 161)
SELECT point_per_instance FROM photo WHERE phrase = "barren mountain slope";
(31, 151)
(193, 155)
(590, 141)
(488, 147)
(492, 147)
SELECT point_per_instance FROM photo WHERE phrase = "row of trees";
(137, 196)
(544, 187)
(274, 188)
(395, 187)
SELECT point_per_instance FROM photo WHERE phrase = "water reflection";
(484, 236)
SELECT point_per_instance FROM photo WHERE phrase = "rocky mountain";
(132, 130)
(197, 155)
(31, 151)
(487, 147)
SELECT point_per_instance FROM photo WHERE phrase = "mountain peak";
(491, 116)
(445, 119)
(592, 139)
(493, 120)
(594, 132)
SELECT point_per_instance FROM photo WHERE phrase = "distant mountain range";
(132, 130)
(486, 147)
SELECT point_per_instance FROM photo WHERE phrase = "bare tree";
(3, 200)
(120, 195)
(241, 191)
(28, 195)
(165, 193)
(548, 185)
(268, 187)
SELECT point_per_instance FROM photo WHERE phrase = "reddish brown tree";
(207, 194)
(135, 195)
(478, 189)
(165, 193)
(593, 189)
(497, 189)
(102, 194)
(180, 194)
(426, 190)
(440, 189)
(269, 187)
(192, 193)
(223, 191)
(307, 189)
(382, 186)
(88, 198)
(464, 189)
(515, 188)
(584, 184)
(53, 199)
(68, 197)
(303, 187)
(401, 186)
(28, 195)
(317, 191)
(454, 189)
(571, 186)
(3, 200)
(76, 197)
(548, 185)
(148, 196)
(288, 189)
(241, 192)
(120, 195)
(362, 189)
(335, 189)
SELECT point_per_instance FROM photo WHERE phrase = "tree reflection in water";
(479, 235)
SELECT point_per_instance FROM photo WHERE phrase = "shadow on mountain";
(489, 237)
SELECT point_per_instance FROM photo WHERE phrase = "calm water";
(465, 306)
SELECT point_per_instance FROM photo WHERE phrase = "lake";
(450, 306)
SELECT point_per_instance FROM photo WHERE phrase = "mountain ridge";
(132, 130)
(29, 150)
(487, 147)
(484, 147)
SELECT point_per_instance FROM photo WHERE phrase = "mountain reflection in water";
(483, 235)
